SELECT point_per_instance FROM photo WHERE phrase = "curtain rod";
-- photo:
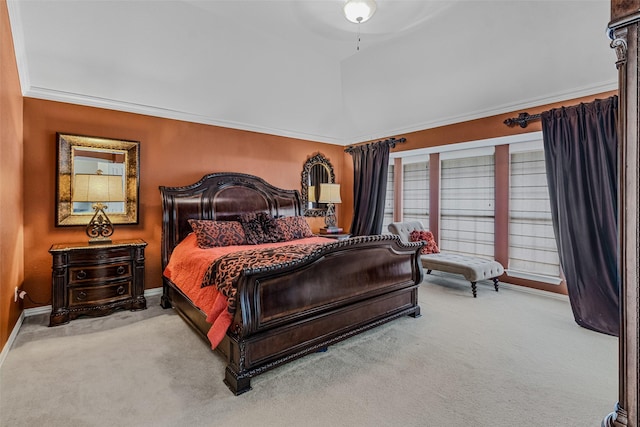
(391, 142)
(523, 119)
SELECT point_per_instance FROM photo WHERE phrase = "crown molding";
(110, 104)
(502, 109)
(129, 107)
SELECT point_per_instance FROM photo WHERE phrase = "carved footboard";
(285, 313)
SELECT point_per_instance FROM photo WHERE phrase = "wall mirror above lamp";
(93, 174)
(317, 170)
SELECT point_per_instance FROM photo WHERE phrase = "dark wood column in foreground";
(624, 25)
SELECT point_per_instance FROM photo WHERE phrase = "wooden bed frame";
(287, 312)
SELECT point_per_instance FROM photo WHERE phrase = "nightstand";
(96, 279)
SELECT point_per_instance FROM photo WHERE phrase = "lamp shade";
(97, 188)
(330, 193)
(359, 11)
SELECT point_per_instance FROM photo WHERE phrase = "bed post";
(165, 301)
(238, 384)
(625, 33)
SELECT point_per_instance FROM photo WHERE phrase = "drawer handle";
(120, 290)
(101, 256)
(121, 270)
(82, 296)
(81, 274)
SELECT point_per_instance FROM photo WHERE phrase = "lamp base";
(99, 241)
(100, 227)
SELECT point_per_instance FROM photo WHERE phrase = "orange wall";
(172, 153)
(484, 128)
(11, 186)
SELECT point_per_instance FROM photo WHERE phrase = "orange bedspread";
(187, 267)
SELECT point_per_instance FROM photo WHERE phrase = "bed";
(290, 309)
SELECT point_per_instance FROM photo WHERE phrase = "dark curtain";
(370, 166)
(580, 146)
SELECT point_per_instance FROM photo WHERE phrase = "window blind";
(467, 198)
(532, 245)
(388, 202)
(415, 192)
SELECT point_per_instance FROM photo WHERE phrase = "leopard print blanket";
(224, 271)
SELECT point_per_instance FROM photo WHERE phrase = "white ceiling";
(291, 68)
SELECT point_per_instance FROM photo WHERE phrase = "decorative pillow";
(210, 233)
(293, 227)
(260, 227)
(424, 235)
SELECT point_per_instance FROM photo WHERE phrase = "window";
(467, 198)
(388, 202)
(415, 192)
(532, 245)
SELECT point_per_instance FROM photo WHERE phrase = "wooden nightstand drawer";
(96, 279)
(83, 295)
(87, 273)
(107, 255)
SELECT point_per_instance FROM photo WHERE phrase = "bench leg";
(495, 283)
(428, 271)
(473, 289)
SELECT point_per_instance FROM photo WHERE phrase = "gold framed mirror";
(317, 170)
(79, 155)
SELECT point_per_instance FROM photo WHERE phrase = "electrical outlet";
(18, 294)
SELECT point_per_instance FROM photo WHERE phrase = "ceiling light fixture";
(359, 11)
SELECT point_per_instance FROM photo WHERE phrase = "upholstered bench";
(472, 268)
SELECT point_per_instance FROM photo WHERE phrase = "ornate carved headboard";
(223, 196)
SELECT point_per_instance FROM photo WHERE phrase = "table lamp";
(98, 188)
(330, 194)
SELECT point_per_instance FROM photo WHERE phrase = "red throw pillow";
(294, 227)
(424, 235)
(210, 233)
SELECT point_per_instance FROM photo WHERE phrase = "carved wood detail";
(624, 31)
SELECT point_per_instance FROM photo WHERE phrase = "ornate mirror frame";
(66, 147)
(318, 160)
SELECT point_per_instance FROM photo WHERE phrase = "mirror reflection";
(319, 174)
(98, 162)
(317, 170)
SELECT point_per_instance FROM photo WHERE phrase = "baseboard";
(47, 308)
(534, 291)
(504, 285)
(12, 338)
(28, 312)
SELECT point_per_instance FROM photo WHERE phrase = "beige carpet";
(503, 359)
